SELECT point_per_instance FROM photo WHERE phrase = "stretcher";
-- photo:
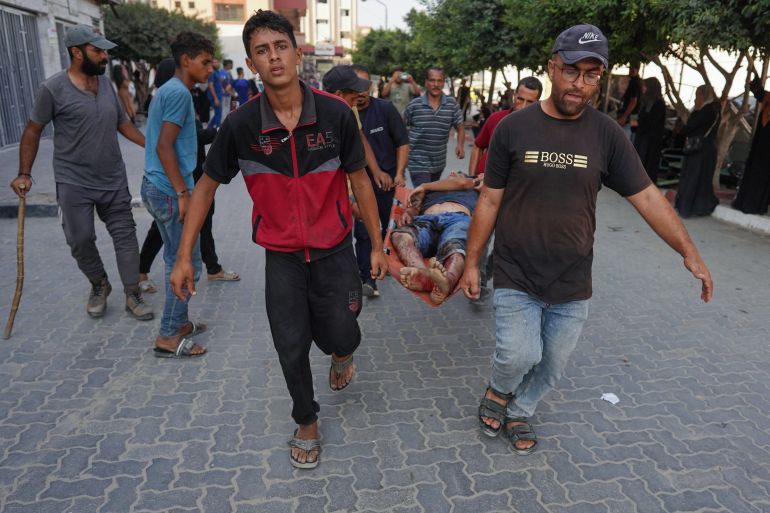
(400, 202)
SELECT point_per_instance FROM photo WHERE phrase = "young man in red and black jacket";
(296, 148)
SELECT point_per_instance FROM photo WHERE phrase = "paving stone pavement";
(91, 422)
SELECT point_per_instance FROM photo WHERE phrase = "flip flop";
(224, 276)
(183, 350)
(197, 328)
(306, 445)
(339, 367)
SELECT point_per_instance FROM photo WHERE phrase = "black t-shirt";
(552, 170)
(634, 90)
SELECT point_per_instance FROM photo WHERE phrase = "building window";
(178, 4)
(323, 1)
(322, 22)
(344, 35)
(191, 5)
(228, 12)
(345, 12)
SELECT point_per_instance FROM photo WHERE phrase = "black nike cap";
(582, 42)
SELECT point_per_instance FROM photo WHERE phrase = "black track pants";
(317, 301)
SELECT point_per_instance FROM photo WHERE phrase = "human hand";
(21, 185)
(416, 196)
(470, 282)
(379, 264)
(383, 181)
(182, 282)
(460, 151)
(183, 201)
(216, 102)
(400, 180)
(621, 120)
(698, 268)
(478, 181)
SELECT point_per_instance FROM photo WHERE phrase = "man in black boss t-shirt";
(296, 148)
(545, 166)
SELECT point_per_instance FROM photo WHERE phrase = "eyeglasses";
(590, 78)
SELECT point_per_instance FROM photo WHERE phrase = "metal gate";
(21, 72)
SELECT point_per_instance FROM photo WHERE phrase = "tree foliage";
(144, 33)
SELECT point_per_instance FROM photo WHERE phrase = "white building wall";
(48, 13)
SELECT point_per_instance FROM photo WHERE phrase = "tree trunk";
(490, 98)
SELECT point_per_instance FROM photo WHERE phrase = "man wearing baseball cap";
(88, 166)
(344, 82)
(544, 170)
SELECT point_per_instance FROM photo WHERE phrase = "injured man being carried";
(435, 224)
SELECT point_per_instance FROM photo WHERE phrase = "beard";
(570, 108)
(92, 68)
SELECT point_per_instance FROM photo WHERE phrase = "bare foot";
(171, 343)
(338, 381)
(417, 279)
(438, 274)
(306, 432)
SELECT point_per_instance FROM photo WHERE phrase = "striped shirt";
(429, 132)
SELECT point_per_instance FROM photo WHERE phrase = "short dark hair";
(360, 67)
(227, 62)
(239, 70)
(531, 83)
(269, 20)
(434, 68)
(190, 44)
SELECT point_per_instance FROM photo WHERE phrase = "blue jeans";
(439, 235)
(533, 342)
(165, 210)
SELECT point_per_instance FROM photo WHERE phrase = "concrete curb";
(752, 222)
(11, 211)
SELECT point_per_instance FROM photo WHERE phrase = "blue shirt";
(466, 198)
(241, 87)
(172, 103)
(429, 132)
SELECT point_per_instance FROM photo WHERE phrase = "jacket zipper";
(299, 203)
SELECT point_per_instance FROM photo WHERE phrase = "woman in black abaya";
(649, 133)
(695, 196)
(754, 191)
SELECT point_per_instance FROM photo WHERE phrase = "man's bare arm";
(482, 224)
(460, 150)
(131, 133)
(631, 106)
(664, 221)
(402, 157)
(30, 142)
(213, 92)
(167, 156)
(474, 161)
(367, 205)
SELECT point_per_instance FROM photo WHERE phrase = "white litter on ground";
(610, 398)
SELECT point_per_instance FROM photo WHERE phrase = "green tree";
(143, 35)
(382, 50)
(649, 30)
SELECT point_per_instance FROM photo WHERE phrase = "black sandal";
(492, 410)
(521, 432)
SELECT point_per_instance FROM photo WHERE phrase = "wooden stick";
(19, 268)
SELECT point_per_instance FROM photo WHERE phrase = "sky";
(371, 13)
